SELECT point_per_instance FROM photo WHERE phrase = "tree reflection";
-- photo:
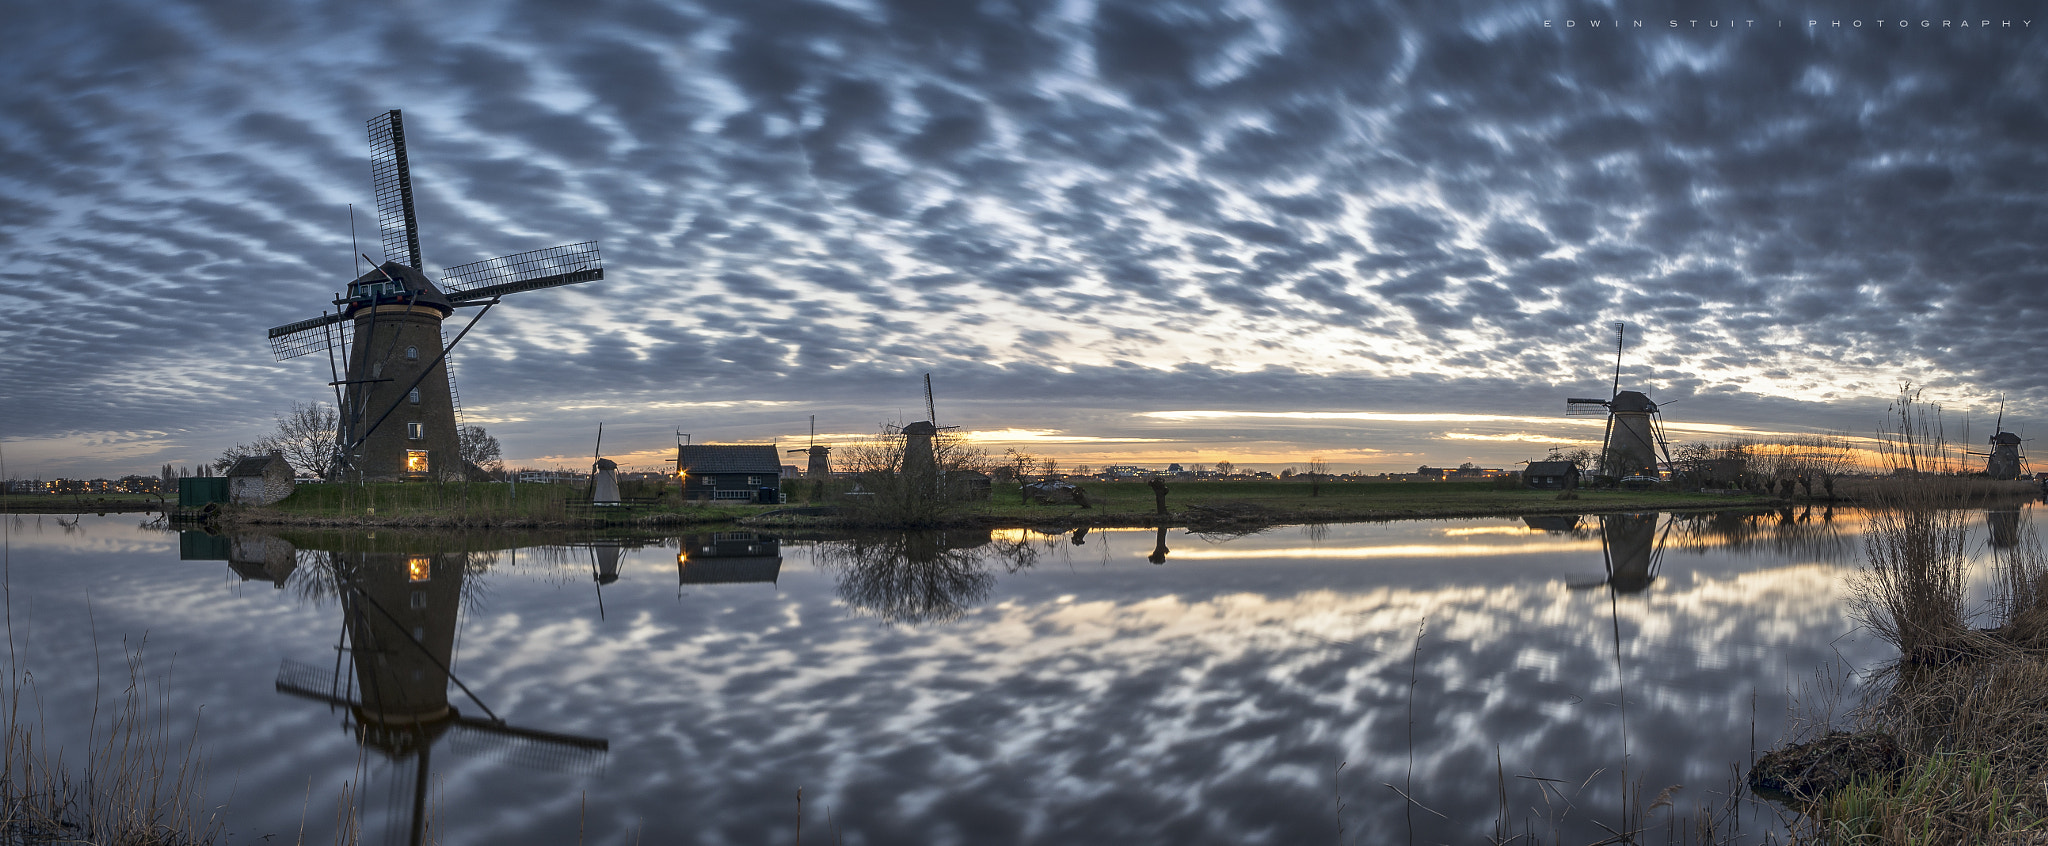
(915, 577)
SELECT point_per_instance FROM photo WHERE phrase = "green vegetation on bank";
(477, 504)
(76, 503)
(1291, 501)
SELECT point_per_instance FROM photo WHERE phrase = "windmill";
(818, 465)
(920, 460)
(2004, 461)
(604, 474)
(396, 399)
(1635, 429)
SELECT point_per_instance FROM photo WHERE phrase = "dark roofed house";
(260, 479)
(743, 473)
(1551, 475)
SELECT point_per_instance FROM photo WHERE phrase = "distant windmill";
(2004, 461)
(604, 474)
(396, 399)
(920, 460)
(818, 464)
(1635, 430)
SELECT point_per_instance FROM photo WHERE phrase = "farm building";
(260, 480)
(737, 472)
(1551, 475)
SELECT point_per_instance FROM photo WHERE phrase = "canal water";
(1548, 675)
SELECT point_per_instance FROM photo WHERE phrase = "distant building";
(969, 485)
(260, 480)
(740, 472)
(556, 477)
(1551, 475)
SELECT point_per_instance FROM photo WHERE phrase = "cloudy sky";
(1380, 234)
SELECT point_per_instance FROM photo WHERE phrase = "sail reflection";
(401, 600)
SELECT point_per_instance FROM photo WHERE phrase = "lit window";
(414, 397)
(416, 460)
(412, 353)
(419, 568)
(415, 431)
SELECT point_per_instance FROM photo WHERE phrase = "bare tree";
(480, 449)
(1317, 469)
(304, 436)
(1225, 468)
(909, 494)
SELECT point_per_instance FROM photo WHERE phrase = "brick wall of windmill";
(380, 351)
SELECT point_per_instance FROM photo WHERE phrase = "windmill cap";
(423, 290)
(1627, 401)
(921, 427)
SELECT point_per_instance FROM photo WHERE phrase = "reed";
(136, 785)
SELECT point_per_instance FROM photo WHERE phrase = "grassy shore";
(473, 505)
(1950, 744)
(1133, 504)
(80, 503)
(1112, 504)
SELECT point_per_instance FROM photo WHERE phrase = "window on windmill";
(419, 568)
(412, 353)
(415, 431)
(415, 460)
(414, 397)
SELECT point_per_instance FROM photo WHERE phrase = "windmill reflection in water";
(392, 672)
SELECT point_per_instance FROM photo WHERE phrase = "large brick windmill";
(397, 401)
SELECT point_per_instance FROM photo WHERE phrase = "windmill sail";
(529, 271)
(306, 336)
(391, 173)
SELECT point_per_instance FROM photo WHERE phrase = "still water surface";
(1122, 686)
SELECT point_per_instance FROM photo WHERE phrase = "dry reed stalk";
(135, 787)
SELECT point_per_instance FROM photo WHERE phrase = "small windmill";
(396, 398)
(2004, 461)
(1635, 429)
(818, 464)
(920, 459)
(604, 474)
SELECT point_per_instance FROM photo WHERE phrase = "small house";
(736, 472)
(260, 480)
(970, 485)
(1551, 475)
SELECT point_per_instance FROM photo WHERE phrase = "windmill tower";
(604, 474)
(1635, 430)
(397, 402)
(920, 458)
(818, 463)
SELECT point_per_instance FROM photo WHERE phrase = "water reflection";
(2005, 527)
(401, 599)
(1014, 686)
(914, 577)
(728, 558)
